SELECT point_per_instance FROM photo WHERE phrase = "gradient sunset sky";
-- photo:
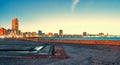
(72, 16)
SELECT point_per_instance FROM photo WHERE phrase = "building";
(2, 31)
(60, 32)
(56, 35)
(101, 34)
(15, 24)
(8, 31)
(39, 32)
(50, 34)
(30, 34)
(15, 28)
(84, 33)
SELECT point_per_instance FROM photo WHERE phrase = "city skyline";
(72, 16)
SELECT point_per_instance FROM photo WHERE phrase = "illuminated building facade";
(15, 24)
(50, 34)
(15, 28)
(2, 31)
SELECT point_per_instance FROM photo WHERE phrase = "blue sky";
(92, 16)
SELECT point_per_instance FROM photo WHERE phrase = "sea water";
(82, 38)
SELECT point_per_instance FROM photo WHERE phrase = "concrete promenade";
(78, 54)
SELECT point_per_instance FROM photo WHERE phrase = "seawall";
(99, 42)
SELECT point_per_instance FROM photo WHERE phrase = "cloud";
(75, 2)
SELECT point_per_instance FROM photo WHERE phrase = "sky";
(72, 16)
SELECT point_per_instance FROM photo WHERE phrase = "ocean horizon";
(81, 38)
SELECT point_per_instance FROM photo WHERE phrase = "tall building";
(60, 32)
(15, 28)
(15, 24)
